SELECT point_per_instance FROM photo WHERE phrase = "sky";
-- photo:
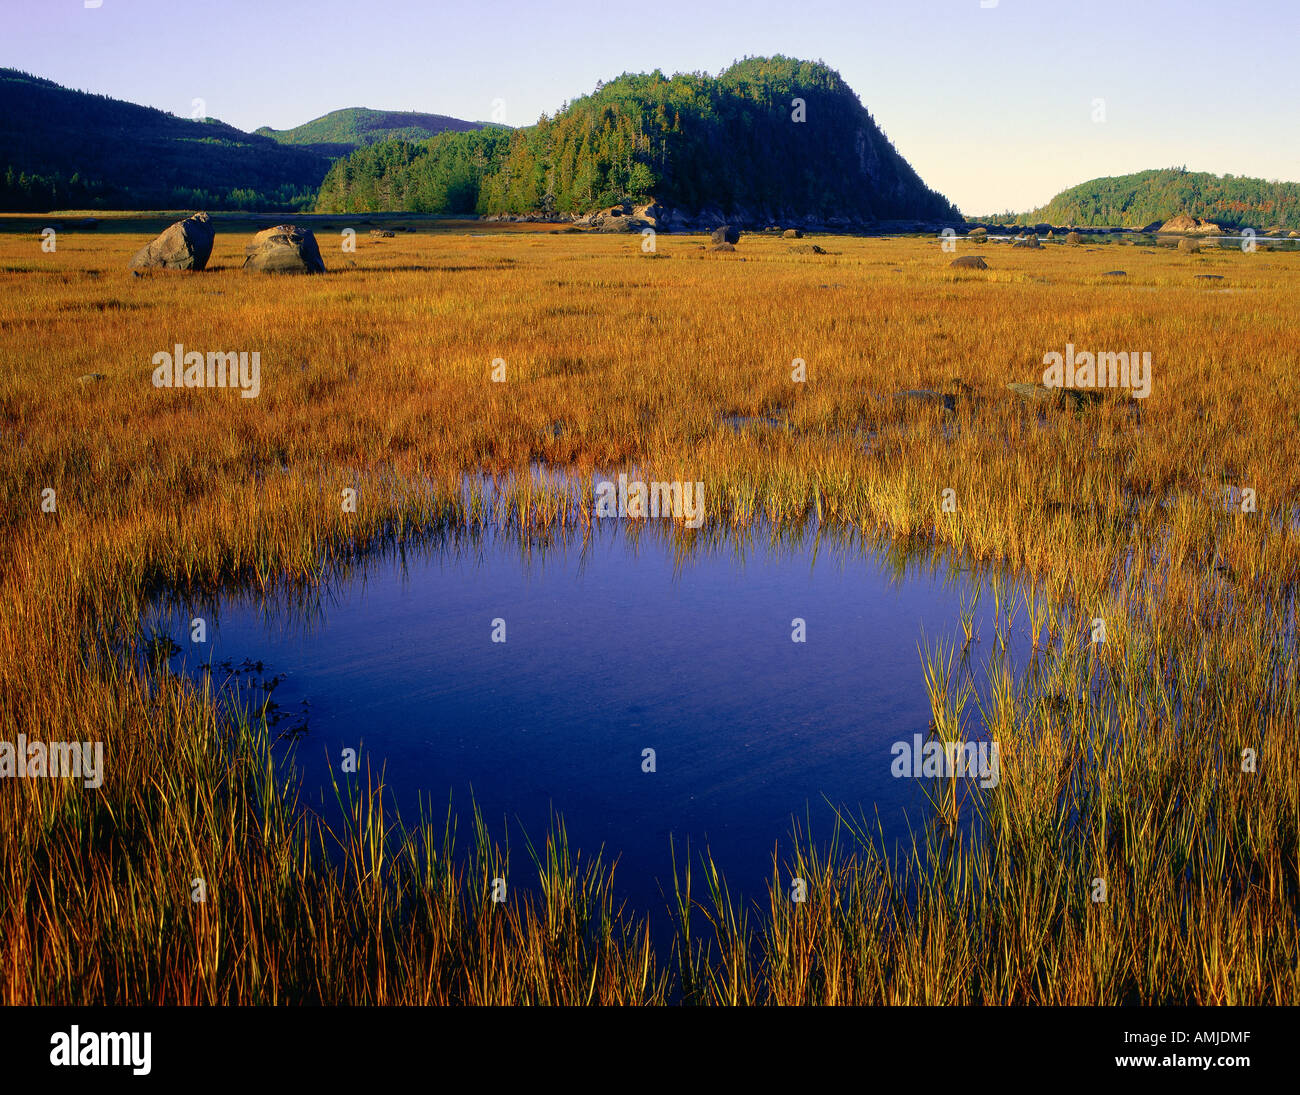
(997, 107)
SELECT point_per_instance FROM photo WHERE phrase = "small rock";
(1077, 398)
(928, 395)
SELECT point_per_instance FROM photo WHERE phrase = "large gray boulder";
(726, 234)
(284, 249)
(186, 245)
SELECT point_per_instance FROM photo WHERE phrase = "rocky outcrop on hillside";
(1191, 226)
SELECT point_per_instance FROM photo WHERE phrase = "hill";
(61, 148)
(730, 145)
(342, 131)
(1133, 201)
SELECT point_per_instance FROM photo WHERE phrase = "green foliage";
(341, 131)
(442, 175)
(69, 149)
(1134, 201)
(692, 141)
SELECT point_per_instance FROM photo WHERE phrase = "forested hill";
(694, 142)
(341, 131)
(1134, 201)
(67, 149)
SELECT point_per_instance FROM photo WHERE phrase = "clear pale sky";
(994, 106)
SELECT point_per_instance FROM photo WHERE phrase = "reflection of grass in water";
(1121, 761)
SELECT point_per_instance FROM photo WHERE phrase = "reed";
(1123, 762)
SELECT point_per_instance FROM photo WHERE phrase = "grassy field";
(1122, 761)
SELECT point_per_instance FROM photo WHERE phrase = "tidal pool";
(626, 642)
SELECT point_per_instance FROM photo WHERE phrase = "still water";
(624, 643)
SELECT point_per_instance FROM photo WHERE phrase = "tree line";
(777, 136)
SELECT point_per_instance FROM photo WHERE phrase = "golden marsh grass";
(1121, 761)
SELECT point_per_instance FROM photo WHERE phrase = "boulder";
(649, 215)
(1028, 241)
(1189, 225)
(1115, 274)
(625, 217)
(722, 247)
(807, 249)
(186, 245)
(797, 234)
(1189, 245)
(970, 262)
(383, 233)
(946, 400)
(284, 249)
(1075, 398)
(1074, 239)
(1293, 235)
(726, 234)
